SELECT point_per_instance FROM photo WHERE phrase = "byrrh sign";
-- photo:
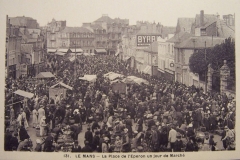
(146, 40)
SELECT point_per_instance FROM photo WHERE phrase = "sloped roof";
(62, 84)
(75, 29)
(153, 47)
(208, 19)
(22, 21)
(179, 37)
(185, 23)
(24, 93)
(168, 30)
(96, 26)
(200, 42)
(106, 19)
(224, 30)
(45, 75)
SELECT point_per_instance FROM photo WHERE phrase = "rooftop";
(198, 42)
(75, 29)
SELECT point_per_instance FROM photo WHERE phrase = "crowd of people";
(160, 116)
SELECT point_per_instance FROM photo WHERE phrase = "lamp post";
(205, 54)
(75, 67)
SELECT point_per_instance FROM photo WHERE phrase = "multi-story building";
(13, 51)
(80, 38)
(150, 59)
(100, 37)
(28, 34)
(52, 30)
(115, 28)
(184, 25)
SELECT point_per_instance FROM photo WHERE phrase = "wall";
(187, 55)
(211, 30)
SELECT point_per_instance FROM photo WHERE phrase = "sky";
(76, 12)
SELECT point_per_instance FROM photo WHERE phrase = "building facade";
(76, 37)
(52, 31)
(115, 28)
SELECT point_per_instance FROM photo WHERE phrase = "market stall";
(89, 78)
(133, 79)
(43, 75)
(112, 76)
(65, 140)
(119, 86)
(58, 89)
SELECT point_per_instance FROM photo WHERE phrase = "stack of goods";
(65, 140)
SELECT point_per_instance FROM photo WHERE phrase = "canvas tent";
(118, 86)
(90, 78)
(112, 76)
(133, 79)
(45, 75)
(24, 93)
(59, 89)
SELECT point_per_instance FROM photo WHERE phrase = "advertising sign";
(146, 40)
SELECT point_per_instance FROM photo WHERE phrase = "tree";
(214, 56)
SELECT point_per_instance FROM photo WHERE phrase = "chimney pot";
(201, 18)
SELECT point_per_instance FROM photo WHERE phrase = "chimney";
(201, 18)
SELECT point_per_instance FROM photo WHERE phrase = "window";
(203, 32)
(168, 48)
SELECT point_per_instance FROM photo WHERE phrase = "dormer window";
(203, 32)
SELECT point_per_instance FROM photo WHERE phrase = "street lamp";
(75, 67)
(205, 54)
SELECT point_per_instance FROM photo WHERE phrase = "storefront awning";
(100, 50)
(72, 59)
(64, 50)
(78, 50)
(60, 53)
(24, 93)
(45, 75)
(51, 50)
(62, 84)
(117, 54)
(126, 58)
(147, 70)
(90, 78)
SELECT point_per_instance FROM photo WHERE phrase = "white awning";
(63, 50)
(72, 59)
(24, 93)
(126, 58)
(62, 84)
(147, 70)
(78, 50)
(90, 78)
(60, 53)
(116, 54)
(45, 75)
(100, 50)
(112, 75)
(78, 54)
(49, 50)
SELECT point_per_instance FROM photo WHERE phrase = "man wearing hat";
(126, 146)
(96, 139)
(178, 145)
(87, 147)
(105, 145)
(172, 137)
(88, 136)
(229, 136)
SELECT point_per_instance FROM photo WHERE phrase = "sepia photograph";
(83, 77)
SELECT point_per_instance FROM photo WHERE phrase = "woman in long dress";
(41, 113)
(34, 117)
